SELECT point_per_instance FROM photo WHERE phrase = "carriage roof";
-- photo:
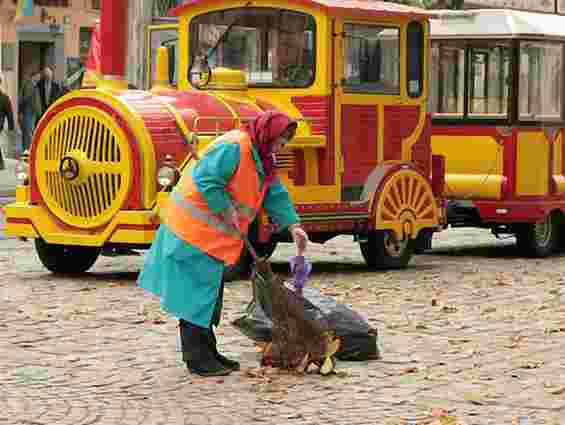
(496, 24)
(365, 8)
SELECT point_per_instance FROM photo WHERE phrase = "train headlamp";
(168, 175)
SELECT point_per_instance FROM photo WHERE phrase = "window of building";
(95, 4)
(541, 81)
(85, 35)
(372, 59)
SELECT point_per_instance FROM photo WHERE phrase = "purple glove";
(300, 268)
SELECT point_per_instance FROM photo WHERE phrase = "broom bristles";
(294, 333)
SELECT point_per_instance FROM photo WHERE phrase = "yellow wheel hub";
(406, 205)
(83, 167)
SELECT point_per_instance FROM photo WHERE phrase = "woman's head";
(270, 131)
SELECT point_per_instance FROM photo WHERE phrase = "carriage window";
(372, 59)
(541, 80)
(489, 81)
(479, 77)
(274, 47)
(447, 80)
(415, 59)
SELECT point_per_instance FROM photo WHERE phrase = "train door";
(367, 76)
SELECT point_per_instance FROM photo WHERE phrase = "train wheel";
(65, 259)
(538, 239)
(383, 251)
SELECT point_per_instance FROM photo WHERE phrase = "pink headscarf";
(264, 130)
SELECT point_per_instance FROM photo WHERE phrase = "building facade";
(57, 34)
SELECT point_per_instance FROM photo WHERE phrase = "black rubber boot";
(196, 351)
(230, 364)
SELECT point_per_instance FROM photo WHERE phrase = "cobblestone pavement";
(97, 350)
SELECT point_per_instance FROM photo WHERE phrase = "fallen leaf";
(449, 309)
(532, 364)
(474, 397)
(303, 364)
(504, 279)
(327, 367)
(558, 391)
(516, 341)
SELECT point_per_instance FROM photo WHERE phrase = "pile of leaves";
(298, 341)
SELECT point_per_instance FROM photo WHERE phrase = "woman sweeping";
(213, 202)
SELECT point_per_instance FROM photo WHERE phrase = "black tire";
(66, 259)
(423, 242)
(381, 251)
(539, 239)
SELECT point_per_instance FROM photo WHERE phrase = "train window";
(164, 36)
(541, 81)
(372, 59)
(415, 59)
(484, 92)
(447, 80)
(274, 47)
(489, 81)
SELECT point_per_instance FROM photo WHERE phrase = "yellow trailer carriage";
(498, 119)
(353, 73)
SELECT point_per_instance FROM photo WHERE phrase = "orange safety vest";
(187, 214)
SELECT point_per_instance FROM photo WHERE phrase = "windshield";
(274, 47)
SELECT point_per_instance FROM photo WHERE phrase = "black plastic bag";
(359, 340)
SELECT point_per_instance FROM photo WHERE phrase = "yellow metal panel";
(558, 177)
(474, 165)
(23, 193)
(315, 194)
(558, 155)
(49, 230)
(532, 164)
(311, 160)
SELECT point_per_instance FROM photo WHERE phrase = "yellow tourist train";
(354, 75)
(497, 100)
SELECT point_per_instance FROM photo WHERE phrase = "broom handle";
(250, 247)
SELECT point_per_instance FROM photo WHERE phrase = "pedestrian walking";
(26, 116)
(6, 114)
(215, 200)
(46, 92)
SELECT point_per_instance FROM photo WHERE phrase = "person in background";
(6, 114)
(215, 201)
(26, 117)
(46, 92)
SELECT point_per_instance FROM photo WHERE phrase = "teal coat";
(186, 279)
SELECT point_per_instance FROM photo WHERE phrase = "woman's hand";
(300, 238)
